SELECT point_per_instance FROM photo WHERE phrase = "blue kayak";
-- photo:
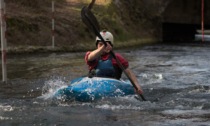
(90, 89)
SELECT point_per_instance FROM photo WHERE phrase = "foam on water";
(150, 78)
(185, 112)
(5, 108)
(115, 107)
(5, 118)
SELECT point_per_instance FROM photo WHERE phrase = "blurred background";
(133, 22)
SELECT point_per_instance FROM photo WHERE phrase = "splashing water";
(148, 78)
(51, 86)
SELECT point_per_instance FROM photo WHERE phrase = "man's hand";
(108, 48)
(139, 91)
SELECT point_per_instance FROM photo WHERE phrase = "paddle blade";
(90, 20)
(91, 4)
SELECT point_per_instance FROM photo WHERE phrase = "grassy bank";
(29, 27)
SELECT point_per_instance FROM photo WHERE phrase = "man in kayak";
(102, 64)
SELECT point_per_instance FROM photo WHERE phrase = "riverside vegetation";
(29, 25)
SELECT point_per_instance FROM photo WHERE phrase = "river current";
(174, 78)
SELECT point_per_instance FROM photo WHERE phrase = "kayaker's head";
(107, 36)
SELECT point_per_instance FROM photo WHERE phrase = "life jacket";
(105, 68)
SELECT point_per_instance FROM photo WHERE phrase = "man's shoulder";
(118, 55)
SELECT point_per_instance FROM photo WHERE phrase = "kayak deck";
(90, 89)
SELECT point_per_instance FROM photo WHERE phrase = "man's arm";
(95, 53)
(134, 79)
(99, 51)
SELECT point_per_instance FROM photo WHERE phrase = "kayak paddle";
(91, 22)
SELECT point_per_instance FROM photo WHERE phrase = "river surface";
(175, 80)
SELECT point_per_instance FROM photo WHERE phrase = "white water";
(175, 80)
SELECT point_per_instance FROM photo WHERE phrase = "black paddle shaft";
(91, 22)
